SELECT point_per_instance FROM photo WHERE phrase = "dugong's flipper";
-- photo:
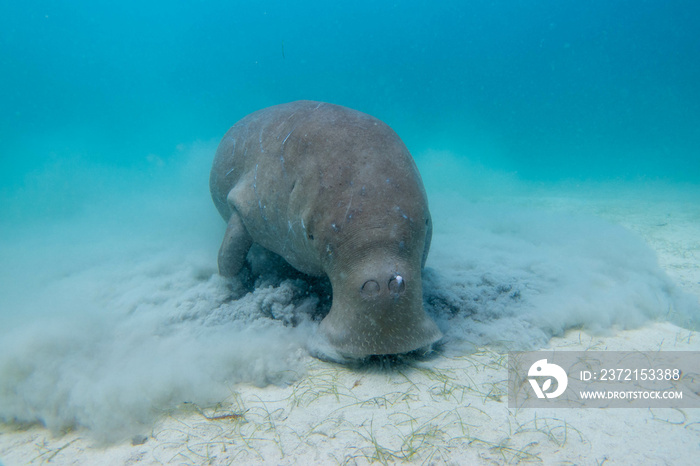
(235, 246)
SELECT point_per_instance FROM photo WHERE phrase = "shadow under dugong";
(334, 192)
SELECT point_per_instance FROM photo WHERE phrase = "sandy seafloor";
(450, 408)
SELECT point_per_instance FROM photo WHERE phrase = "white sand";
(446, 410)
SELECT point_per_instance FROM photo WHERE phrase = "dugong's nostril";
(370, 289)
(397, 285)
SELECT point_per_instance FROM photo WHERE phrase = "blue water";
(550, 89)
(111, 112)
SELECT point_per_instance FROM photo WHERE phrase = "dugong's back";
(294, 166)
(333, 191)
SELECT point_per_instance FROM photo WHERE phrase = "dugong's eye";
(370, 289)
(397, 285)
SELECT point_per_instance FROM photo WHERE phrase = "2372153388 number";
(639, 374)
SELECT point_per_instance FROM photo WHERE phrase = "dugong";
(334, 192)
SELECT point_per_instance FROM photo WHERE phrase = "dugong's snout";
(378, 314)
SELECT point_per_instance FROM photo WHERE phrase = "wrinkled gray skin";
(334, 192)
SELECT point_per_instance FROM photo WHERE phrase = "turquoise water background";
(549, 89)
